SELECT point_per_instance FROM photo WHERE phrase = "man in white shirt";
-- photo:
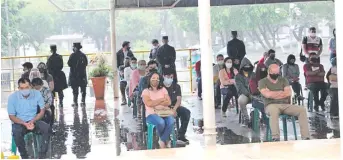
(128, 71)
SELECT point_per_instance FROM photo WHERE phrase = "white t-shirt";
(127, 74)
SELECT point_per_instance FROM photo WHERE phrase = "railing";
(12, 67)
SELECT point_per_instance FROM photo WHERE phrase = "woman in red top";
(227, 83)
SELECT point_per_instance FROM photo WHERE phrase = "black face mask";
(272, 56)
(274, 76)
(247, 69)
(314, 60)
(128, 48)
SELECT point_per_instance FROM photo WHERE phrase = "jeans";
(243, 100)
(315, 88)
(332, 56)
(260, 106)
(231, 93)
(184, 115)
(217, 95)
(19, 132)
(334, 102)
(123, 85)
(164, 125)
(296, 86)
(199, 87)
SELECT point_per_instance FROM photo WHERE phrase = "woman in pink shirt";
(136, 76)
(156, 97)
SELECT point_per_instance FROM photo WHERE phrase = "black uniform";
(78, 77)
(166, 55)
(236, 49)
(55, 66)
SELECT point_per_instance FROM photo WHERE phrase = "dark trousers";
(184, 115)
(19, 132)
(60, 95)
(123, 85)
(296, 88)
(76, 92)
(334, 102)
(217, 95)
(315, 88)
(199, 87)
(227, 97)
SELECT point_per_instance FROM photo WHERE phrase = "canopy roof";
(158, 4)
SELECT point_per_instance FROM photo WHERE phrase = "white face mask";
(228, 65)
(312, 34)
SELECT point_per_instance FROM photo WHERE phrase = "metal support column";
(210, 133)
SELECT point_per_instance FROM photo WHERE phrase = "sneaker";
(305, 138)
(183, 139)
(316, 108)
(124, 103)
(223, 114)
(200, 98)
(300, 98)
(275, 139)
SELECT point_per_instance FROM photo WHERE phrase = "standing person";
(312, 43)
(27, 69)
(22, 110)
(332, 45)
(291, 72)
(78, 76)
(331, 76)
(123, 53)
(122, 85)
(153, 51)
(127, 75)
(166, 55)
(55, 66)
(227, 83)
(236, 48)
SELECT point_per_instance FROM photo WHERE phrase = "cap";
(53, 47)
(165, 37)
(77, 45)
(154, 41)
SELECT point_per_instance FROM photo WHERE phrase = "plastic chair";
(35, 144)
(150, 138)
(284, 122)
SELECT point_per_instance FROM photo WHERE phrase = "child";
(37, 84)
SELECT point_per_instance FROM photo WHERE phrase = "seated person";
(332, 79)
(277, 92)
(156, 98)
(272, 59)
(37, 84)
(216, 68)
(34, 73)
(315, 73)
(291, 72)
(227, 83)
(122, 85)
(261, 69)
(242, 86)
(27, 68)
(136, 76)
(45, 75)
(143, 82)
(174, 92)
(22, 111)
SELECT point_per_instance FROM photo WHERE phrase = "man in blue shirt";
(22, 110)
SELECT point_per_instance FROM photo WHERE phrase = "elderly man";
(277, 92)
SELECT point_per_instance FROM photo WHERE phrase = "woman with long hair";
(291, 71)
(45, 75)
(156, 99)
(227, 83)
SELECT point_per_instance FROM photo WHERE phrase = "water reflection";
(60, 136)
(80, 146)
(101, 122)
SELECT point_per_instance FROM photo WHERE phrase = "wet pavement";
(86, 132)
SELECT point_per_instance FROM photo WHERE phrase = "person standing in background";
(312, 43)
(55, 66)
(153, 51)
(331, 77)
(123, 53)
(166, 55)
(236, 49)
(78, 76)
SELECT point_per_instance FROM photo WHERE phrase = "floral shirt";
(47, 96)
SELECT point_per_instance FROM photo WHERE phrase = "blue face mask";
(25, 92)
(167, 81)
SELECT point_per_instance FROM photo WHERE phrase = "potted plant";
(98, 76)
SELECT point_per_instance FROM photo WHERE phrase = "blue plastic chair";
(35, 144)
(284, 122)
(151, 136)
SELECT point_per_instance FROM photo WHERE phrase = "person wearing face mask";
(312, 43)
(242, 85)
(331, 77)
(54, 66)
(123, 53)
(291, 72)
(143, 82)
(166, 55)
(277, 92)
(332, 45)
(174, 92)
(22, 109)
(78, 76)
(156, 100)
(216, 68)
(27, 66)
(128, 73)
(153, 51)
(227, 83)
(37, 84)
(45, 75)
(272, 59)
(314, 72)
(137, 74)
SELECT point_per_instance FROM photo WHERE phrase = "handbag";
(302, 56)
(164, 112)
